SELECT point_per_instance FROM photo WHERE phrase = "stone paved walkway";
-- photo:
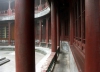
(62, 64)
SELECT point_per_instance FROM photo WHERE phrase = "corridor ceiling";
(62, 7)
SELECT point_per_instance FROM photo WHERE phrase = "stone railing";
(6, 12)
(40, 7)
(10, 14)
(37, 9)
(13, 11)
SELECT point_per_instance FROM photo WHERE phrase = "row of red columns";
(47, 31)
(92, 22)
(24, 34)
(25, 48)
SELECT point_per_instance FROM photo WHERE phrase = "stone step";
(2, 58)
(7, 49)
(4, 61)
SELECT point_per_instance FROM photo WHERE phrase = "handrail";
(41, 10)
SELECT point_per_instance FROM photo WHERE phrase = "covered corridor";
(27, 23)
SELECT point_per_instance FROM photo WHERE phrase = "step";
(4, 61)
(2, 58)
(7, 49)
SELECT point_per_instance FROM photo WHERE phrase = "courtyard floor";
(10, 66)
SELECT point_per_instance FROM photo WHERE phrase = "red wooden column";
(47, 31)
(35, 29)
(9, 36)
(71, 25)
(44, 33)
(53, 27)
(62, 30)
(58, 30)
(24, 36)
(40, 35)
(50, 31)
(92, 50)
